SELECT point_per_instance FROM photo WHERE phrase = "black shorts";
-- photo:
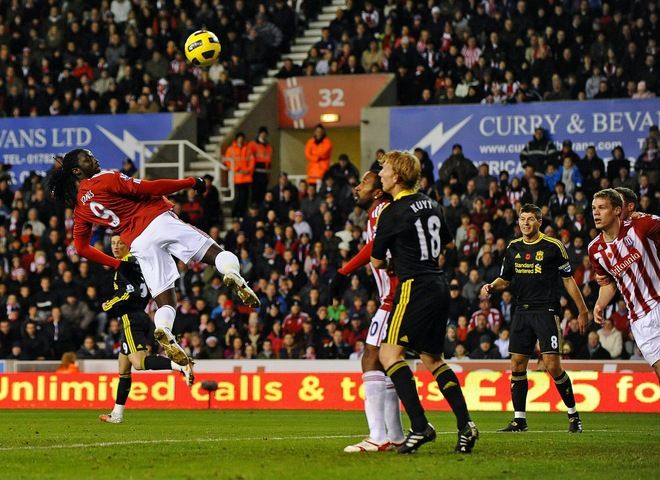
(528, 327)
(136, 329)
(419, 319)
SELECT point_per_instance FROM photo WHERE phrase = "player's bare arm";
(495, 286)
(605, 295)
(575, 294)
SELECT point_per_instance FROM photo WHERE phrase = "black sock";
(157, 362)
(451, 389)
(565, 389)
(123, 388)
(519, 388)
(403, 381)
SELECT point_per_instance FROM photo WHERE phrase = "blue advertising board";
(30, 143)
(496, 134)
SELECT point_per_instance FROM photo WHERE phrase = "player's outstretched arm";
(359, 260)
(574, 292)
(605, 295)
(164, 186)
(81, 241)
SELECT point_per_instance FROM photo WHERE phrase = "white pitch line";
(251, 439)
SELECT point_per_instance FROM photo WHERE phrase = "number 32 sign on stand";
(302, 100)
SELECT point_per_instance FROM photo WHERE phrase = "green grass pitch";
(246, 445)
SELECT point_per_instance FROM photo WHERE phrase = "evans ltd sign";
(28, 144)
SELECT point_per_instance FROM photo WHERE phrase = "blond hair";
(405, 165)
(615, 198)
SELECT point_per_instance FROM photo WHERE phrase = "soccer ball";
(202, 48)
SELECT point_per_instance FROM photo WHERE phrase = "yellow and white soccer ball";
(202, 48)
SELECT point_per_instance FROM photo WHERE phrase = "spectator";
(593, 350)
(502, 343)
(610, 339)
(89, 350)
(539, 152)
(34, 345)
(318, 151)
(617, 162)
(342, 170)
(493, 316)
(68, 363)
(77, 312)
(486, 350)
(472, 287)
(457, 165)
(450, 341)
(474, 338)
(237, 158)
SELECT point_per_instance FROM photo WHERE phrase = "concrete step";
(311, 40)
(338, 3)
(212, 148)
(298, 56)
(269, 80)
(326, 17)
(240, 113)
(260, 88)
(215, 139)
(245, 105)
(232, 121)
(313, 32)
(271, 73)
(318, 24)
(329, 9)
(225, 130)
(254, 97)
(301, 48)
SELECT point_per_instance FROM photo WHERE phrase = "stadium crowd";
(125, 56)
(290, 245)
(120, 56)
(494, 51)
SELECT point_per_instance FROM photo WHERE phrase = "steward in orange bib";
(262, 153)
(243, 173)
(318, 151)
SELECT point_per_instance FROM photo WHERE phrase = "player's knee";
(137, 363)
(518, 364)
(370, 359)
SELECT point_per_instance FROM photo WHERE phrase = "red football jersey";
(632, 260)
(112, 199)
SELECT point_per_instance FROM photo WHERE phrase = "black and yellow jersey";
(414, 230)
(129, 295)
(534, 270)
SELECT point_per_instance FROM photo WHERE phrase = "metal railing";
(171, 155)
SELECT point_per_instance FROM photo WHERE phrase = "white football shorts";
(165, 236)
(378, 327)
(646, 331)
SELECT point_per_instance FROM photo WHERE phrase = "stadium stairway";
(220, 140)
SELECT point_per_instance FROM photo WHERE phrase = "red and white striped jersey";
(385, 280)
(632, 259)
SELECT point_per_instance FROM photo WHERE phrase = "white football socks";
(393, 413)
(227, 262)
(164, 317)
(118, 411)
(374, 404)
